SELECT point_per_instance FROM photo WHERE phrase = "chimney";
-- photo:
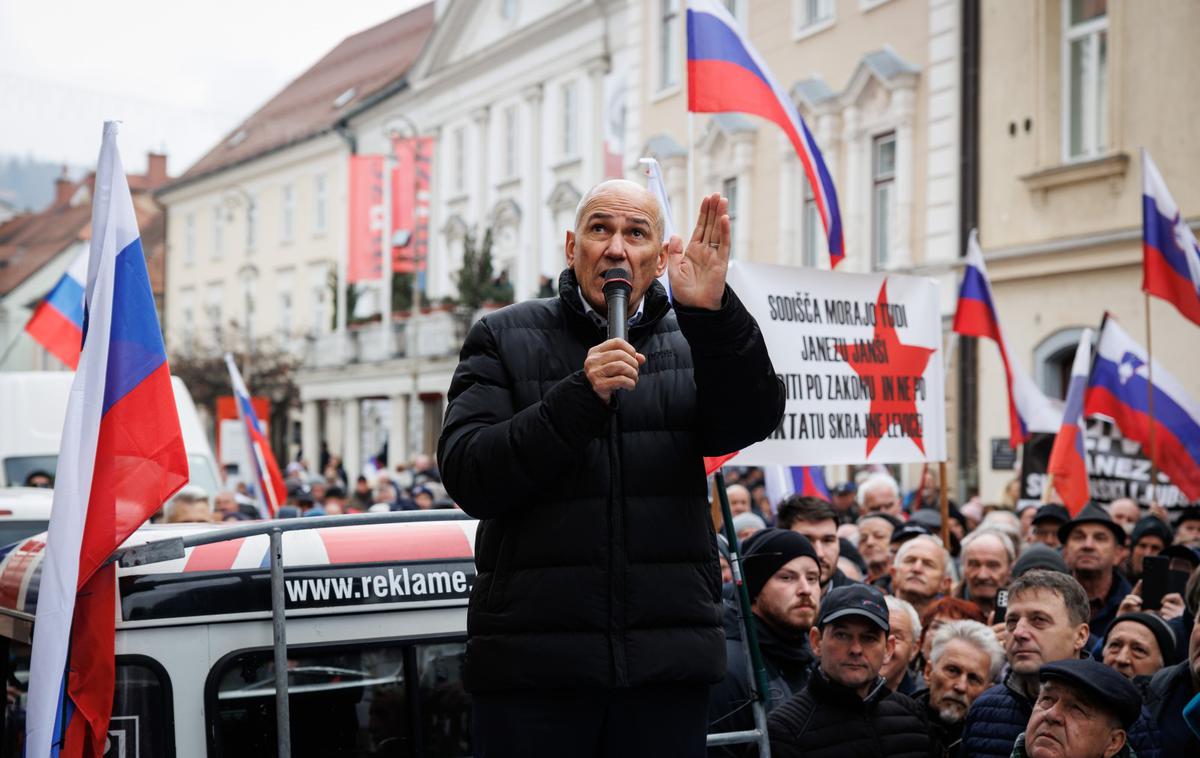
(156, 168)
(63, 188)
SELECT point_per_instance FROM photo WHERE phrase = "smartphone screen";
(1155, 573)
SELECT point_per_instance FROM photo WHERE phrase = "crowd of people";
(416, 486)
(1033, 632)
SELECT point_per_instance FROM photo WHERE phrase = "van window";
(363, 701)
(142, 723)
(18, 469)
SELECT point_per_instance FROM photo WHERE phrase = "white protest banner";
(860, 356)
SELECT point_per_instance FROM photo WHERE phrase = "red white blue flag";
(726, 73)
(1028, 409)
(1119, 387)
(1068, 458)
(122, 457)
(268, 482)
(1170, 253)
(784, 481)
(57, 322)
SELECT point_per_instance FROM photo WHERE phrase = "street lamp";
(397, 126)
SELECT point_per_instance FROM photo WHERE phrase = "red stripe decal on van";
(18, 563)
(218, 556)
(385, 544)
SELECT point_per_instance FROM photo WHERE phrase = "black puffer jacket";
(788, 664)
(597, 565)
(827, 720)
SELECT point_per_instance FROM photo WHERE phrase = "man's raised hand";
(698, 271)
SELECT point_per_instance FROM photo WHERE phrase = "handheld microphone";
(616, 295)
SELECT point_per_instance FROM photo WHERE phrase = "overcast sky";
(179, 75)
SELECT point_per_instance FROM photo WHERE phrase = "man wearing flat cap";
(783, 579)
(1084, 709)
(846, 710)
(1093, 546)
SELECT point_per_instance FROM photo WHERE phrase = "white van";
(33, 406)
(376, 630)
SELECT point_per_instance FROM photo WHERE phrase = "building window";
(251, 223)
(510, 142)
(285, 314)
(570, 113)
(668, 44)
(729, 188)
(1085, 78)
(812, 228)
(883, 196)
(812, 15)
(287, 215)
(320, 206)
(460, 159)
(213, 307)
(218, 232)
(189, 239)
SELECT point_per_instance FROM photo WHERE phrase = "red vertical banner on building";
(366, 218)
(410, 209)
(410, 190)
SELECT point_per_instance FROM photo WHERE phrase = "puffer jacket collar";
(657, 306)
(826, 690)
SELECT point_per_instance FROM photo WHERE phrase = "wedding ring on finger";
(714, 244)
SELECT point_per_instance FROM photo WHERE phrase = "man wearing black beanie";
(783, 579)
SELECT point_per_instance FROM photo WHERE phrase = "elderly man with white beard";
(965, 659)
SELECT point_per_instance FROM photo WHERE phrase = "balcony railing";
(439, 334)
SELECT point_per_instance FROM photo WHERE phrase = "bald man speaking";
(594, 625)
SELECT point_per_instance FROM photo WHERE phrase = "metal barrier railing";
(174, 548)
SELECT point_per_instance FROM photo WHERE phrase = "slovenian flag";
(1068, 459)
(1170, 253)
(1118, 388)
(1028, 409)
(57, 322)
(726, 73)
(121, 458)
(268, 482)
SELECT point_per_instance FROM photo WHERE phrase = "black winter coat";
(595, 556)
(827, 720)
(788, 664)
(946, 737)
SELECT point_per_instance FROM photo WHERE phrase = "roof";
(663, 146)
(887, 64)
(361, 67)
(30, 241)
(812, 91)
(327, 569)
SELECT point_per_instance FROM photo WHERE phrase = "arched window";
(1052, 360)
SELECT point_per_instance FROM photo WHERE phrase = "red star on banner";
(905, 363)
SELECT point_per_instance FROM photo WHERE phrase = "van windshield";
(19, 471)
(362, 701)
(24, 470)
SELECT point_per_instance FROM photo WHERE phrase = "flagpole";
(1150, 400)
(11, 344)
(945, 501)
(691, 179)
